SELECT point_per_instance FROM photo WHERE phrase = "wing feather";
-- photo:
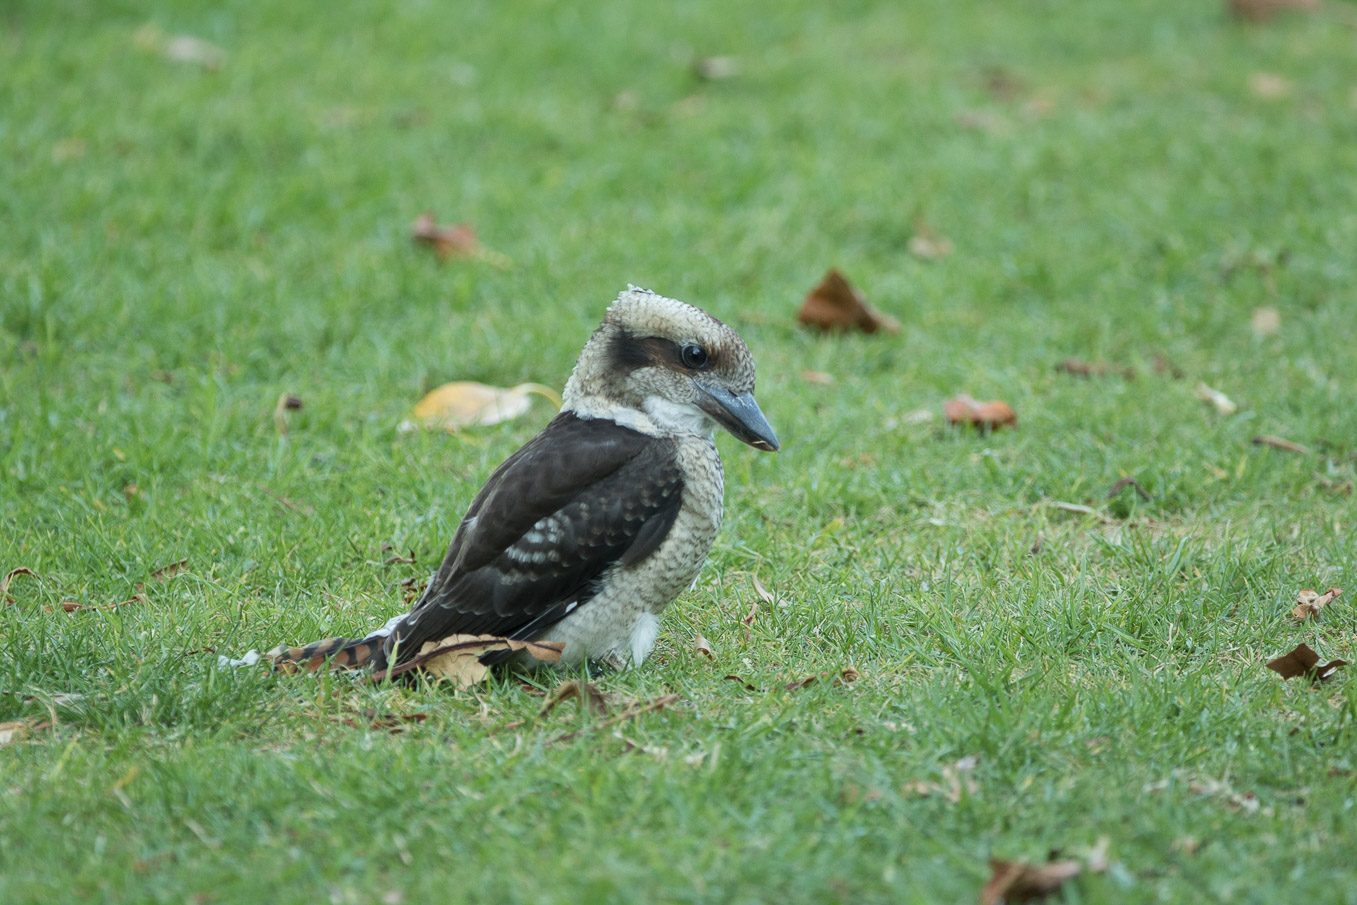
(581, 497)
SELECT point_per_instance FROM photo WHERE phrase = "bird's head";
(670, 364)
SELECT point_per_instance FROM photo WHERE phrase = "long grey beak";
(738, 414)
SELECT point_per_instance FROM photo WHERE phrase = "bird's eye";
(694, 356)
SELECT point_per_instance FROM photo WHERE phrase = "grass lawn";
(1126, 182)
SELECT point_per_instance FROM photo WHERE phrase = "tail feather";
(331, 653)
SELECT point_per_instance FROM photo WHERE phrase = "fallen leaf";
(927, 244)
(1015, 881)
(1269, 86)
(819, 377)
(835, 305)
(14, 573)
(1302, 661)
(1077, 367)
(1262, 10)
(739, 681)
(167, 572)
(587, 694)
(12, 731)
(984, 415)
(715, 69)
(1280, 443)
(1223, 403)
(763, 593)
(70, 606)
(702, 646)
(465, 403)
(458, 658)
(456, 241)
(1309, 603)
(843, 677)
(400, 560)
(1266, 321)
(1130, 482)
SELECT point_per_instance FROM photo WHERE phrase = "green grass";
(180, 246)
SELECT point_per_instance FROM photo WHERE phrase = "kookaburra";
(589, 531)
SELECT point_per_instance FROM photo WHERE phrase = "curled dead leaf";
(465, 403)
(1302, 661)
(703, 647)
(586, 693)
(983, 415)
(456, 241)
(1309, 603)
(1077, 367)
(10, 576)
(739, 681)
(834, 304)
(1016, 881)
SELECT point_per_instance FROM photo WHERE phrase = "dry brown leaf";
(70, 606)
(1262, 10)
(12, 731)
(1302, 661)
(1309, 603)
(1077, 367)
(1280, 443)
(167, 572)
(12, 574)
(465, 403)
(843, 677)
(984, 415)
(456, 241)
(1266, 321)
(587, 694)
(703, 647)
(457, 658)
(1130, 482)
(763, 592)
(400, 560)
(835, 305)
(1015, 881)
(1222, 403)
(739, 681)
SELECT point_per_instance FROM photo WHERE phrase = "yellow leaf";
(465, 403)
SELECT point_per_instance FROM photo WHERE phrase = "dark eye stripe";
(630, 352)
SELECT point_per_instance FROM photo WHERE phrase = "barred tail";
(332, 653)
